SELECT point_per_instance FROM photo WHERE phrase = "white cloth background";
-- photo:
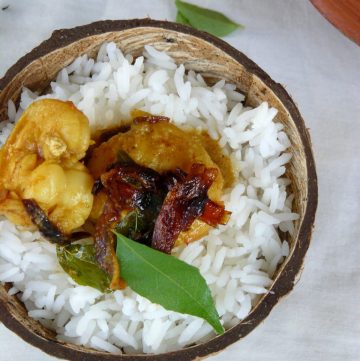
(320, 68)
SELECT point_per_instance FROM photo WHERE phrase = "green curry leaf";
(208, 20)
(80, 263)
(181, 19)
(166, 280)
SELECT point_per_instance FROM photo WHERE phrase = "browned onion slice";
(184, 203)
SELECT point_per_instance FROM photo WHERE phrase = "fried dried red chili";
(185, 202)
(214, 214)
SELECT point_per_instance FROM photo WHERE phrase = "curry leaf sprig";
(204, 19)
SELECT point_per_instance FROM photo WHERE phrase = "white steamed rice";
(237, 260)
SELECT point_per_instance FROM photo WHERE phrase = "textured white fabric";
(320, 68)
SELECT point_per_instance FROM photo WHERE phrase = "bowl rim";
(282, 284)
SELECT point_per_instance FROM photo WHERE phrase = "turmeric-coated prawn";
(41, 161)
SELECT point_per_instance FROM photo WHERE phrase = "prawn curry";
(150, 181)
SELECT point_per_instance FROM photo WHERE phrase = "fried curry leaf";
(208, 20)
(166, 280)
(48, 229)
(139, 225)
(80, 263)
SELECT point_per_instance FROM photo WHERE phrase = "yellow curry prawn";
(41, 161)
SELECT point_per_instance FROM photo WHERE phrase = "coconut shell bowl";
(213, 58)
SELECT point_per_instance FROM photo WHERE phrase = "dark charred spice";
(130, 186)
(48, 229)
(171, 178)
(97, 187)
(45, 226)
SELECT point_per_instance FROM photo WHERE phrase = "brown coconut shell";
(213, 58)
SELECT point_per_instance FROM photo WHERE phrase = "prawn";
(41, 161)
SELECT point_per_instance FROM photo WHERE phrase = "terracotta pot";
(215, 59)
(344, 15)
